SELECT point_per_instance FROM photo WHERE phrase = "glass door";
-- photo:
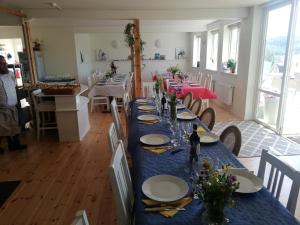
(291, 118)
(273, 66)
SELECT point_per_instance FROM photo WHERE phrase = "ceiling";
(133, 4)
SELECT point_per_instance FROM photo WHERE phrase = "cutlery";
(176, 151)
(149, 123)
(167, 208)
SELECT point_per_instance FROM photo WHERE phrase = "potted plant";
(214, 188)
(231, 64)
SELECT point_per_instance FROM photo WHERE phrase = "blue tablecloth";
(251, 209)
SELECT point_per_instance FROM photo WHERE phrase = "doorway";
(278, 99)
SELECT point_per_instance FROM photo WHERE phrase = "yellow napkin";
(149, 122)
(185, 114)
(170, 213)
(157, 150)
(200, 130)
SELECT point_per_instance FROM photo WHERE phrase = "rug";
(6, 189)
(256, 137)
(295, 139)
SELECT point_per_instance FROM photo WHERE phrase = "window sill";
(230, 74)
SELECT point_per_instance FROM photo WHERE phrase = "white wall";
(244, 80)
(89, 44)
(58, 49)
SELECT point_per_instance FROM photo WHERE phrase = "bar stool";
(41, 109)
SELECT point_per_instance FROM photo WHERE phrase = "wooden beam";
(13, 12)
(29, 51)
(137, 59)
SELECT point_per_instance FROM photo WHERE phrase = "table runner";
(260, 208)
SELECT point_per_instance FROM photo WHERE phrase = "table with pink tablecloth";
(197, 91)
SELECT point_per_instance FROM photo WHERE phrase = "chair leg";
(38, 130)
(92, 104)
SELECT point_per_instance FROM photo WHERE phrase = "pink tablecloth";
(198, 92)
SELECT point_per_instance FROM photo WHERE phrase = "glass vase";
(214, 213)
(173, 113)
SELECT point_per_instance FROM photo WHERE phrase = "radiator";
(224, 92)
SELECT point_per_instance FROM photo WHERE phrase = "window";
(234, 36)
(212, 50)
(231, 47)
(196, 51)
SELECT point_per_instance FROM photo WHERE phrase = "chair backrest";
(113, 138)
(122, 186)
(200, 75)
(130, 86)
(90, 81)
(126, 107)
(208, 81)
(275, 179)
(117, 120)
(232, 139)
(187, 100)
(148, 89)
(80, 218)
(196, 106)
(208, 117)
(34, 97)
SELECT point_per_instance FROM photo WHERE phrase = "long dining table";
(259, 208)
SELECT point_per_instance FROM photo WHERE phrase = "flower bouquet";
(215, 189)
(173, 70)
(158, 82)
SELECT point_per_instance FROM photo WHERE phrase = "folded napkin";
(170, 213)
(158, 150)
(200, 130)
(149, 122)
(185, 114)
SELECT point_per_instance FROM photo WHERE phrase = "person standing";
(9, 126)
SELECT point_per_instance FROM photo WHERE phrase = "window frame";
(197, 39)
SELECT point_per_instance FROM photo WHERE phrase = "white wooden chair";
(207, 82)
(113, 138)
(129, 86)
(41, 109)
(200, 75)
(80, 218)
(122, 186)
(97, 100)
(148, 89)
(126, 101)
(117, 121)
(275, 182)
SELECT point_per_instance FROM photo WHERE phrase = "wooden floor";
(59, 179)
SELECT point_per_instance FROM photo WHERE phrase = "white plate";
(186, 116)
(146, 107)
(165, 188)
(142, 100)
(148, 117)
(208, 137)
(180, 106)
(249, 183)
(155, 139)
